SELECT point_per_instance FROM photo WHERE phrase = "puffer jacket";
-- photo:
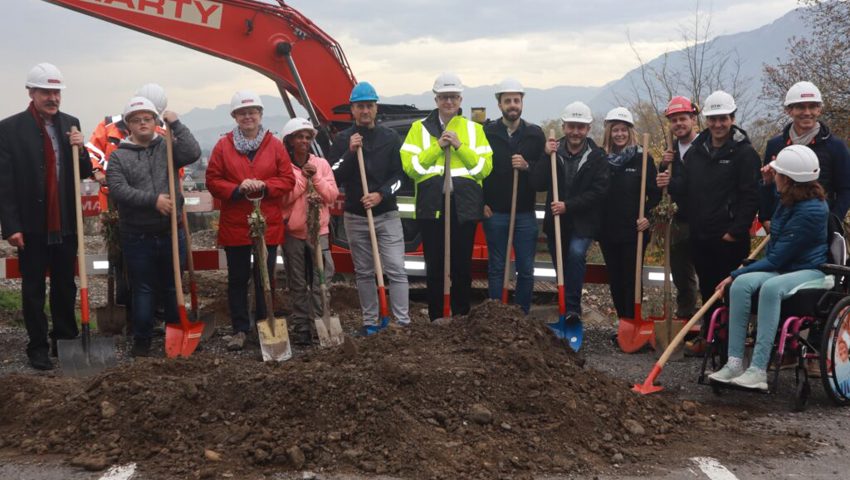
(798, 239)
(228, 168)
(137, 175)
(295, 202)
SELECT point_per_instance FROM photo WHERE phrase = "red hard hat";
(680, 105)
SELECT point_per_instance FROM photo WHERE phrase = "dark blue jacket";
(798, 239)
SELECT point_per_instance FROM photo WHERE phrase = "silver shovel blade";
(77, 362)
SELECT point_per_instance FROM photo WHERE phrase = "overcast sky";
(399, 46)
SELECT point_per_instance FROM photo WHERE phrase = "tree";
(822, 58)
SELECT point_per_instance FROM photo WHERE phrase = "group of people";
(718, 182)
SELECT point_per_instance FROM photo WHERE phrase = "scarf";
(243, 145)
(617, 160)
(805, 138)
(51, 182)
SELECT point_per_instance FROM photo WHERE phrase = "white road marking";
(713, 469)
(120, 472)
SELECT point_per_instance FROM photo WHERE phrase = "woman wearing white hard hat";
(247, 162)
(797, 245)
(621, 218)
(804, 105)
(298, 248)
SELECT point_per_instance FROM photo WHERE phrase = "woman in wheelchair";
(798, 245)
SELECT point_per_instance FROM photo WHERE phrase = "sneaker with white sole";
(753, 378)
(726, 374)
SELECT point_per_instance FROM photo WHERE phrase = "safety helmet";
(509, 85)
(243, 99)
(803, 92)
(798, 162)
(448, 83)
(620, 114)
(297, 124)
(719, 103)
(155, 93)
(680, 104)
(363, 92)
(45, 75)
(577, 112)
(139, 104)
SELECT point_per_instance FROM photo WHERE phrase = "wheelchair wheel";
(835, 353)
(801, 393)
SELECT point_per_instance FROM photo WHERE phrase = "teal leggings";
(775, 287)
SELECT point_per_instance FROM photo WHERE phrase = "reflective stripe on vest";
(438, 169)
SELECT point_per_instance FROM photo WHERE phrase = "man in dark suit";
(37, 212)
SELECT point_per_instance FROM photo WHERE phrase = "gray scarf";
(243, 145)
(805, 138)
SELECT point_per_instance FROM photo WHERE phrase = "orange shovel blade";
(633, 334)
(181, 339)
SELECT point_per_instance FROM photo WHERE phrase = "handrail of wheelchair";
(834, 269)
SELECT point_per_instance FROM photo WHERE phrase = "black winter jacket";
(622, 204)
(22, 188)
(381, 157)
(678, 168)
(720, 186)
(499, 184)
(584, 197)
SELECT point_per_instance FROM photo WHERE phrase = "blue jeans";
(575, 260)
(773, 288)
(148, 257)
(525, 245)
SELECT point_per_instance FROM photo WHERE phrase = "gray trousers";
(304, 280)
(391, 247)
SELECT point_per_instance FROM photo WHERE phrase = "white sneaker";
(237, 342)
(754, 378)
(727, 373)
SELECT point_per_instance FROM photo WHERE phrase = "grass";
(10, 305)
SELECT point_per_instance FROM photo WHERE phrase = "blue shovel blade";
(572, 331)
(373, 329)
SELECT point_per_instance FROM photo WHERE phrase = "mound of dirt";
(491, 395)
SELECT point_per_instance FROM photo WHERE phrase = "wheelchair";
(814, 327)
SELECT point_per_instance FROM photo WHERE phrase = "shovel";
(181, 339)
(572, 331)
(208, 319)
(511, 224)
(648, 386)
(274, 338)
(328, 326)
(447, 233)
(92, 355)
(376, 256)
(634, 333)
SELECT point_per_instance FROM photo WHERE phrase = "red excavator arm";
(271, 39)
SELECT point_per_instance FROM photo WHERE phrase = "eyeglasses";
(138, 120)
(448, 98)
(247, 112)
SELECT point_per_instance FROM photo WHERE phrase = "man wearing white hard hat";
(249, 161)
(37, 208)
(804, 105)
(516, 145)
(137, 178)
(582, 188)
(720, 184)
(471, 160)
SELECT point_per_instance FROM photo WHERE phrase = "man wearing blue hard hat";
(382, 161)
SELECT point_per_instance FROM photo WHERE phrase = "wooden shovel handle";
(370, 219)
(641, 214)
(175, 248)
(559, 255)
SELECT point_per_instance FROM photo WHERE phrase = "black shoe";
(40, 361)
(54, 350)
(141, 347)
(302, 339)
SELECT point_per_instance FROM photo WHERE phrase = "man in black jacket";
(516, 145)
(720, 185)
(37, 207)
(582, 187)
(382, 161)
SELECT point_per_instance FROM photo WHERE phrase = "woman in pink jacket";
(298, 135)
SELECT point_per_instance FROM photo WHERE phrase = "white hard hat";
(447, 83)
(297, 124)
(719, 103)
(620, 114)
(243, 99)
(803, 92)
(45, 75)
(139, 104)
(155, 93)
(798, 162)
(509, 85)
(577, 112)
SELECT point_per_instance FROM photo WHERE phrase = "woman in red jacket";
(247, 162)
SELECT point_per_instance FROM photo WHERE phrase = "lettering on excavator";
(204, 13)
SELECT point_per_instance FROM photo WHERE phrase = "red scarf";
(51, 182)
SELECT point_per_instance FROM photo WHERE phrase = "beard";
(512, 115)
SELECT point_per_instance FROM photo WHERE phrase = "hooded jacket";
(834, 162)
(584, 196)
(137, 175)
(720, 186)
(622, 204)
(529, 143)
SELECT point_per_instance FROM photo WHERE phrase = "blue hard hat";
(363, 92)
